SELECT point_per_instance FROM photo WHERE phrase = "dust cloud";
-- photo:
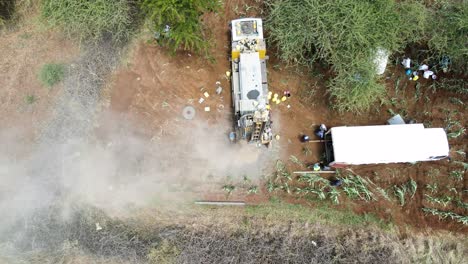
(117, 171)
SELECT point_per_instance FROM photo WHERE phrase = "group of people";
(414, 75)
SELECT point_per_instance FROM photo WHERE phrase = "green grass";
(30, 99)
(90, 20)
(51, 73)
(277, 209)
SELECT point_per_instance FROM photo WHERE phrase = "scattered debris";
(219, 89)
(98, 227)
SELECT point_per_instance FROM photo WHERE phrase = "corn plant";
(384, 193)
(356, 186)
(461, 204)
(253, 189)
(334, 195)
(457, 101)
(461, 131)
(400, 193)
(458, 175)
(229, 188)
(447, 214)
(295, 160)
(285, 187)
(312, 179)
(351, 192)
(412, 186)
(306, 151)
(318, 192)
(461, 152)
(432, 187)
(280, 166)
(271, 186)
(464, 164)
(443, 200)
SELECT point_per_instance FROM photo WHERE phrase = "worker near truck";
(320, 132)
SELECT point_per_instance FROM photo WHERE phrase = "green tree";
(183, 20)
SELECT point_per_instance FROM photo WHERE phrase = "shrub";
(90, 20)
(448, 32)
(344, 34)
(183, 19)
(51, 74)
(357, 90)
(30, 99)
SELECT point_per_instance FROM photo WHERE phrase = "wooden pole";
(220, 203)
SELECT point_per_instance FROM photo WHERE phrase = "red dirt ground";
(155, 87)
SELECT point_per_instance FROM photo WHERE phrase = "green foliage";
(90, 20)
(400, 193)
(30, 99)
(7, 8)
(51, 73)
(447, 214)
(253, 189)
(356, 187)
(295, 160)
(229, 188)
(346, 35)
(183, 17)
(357, 90)
(448, 32)
(458, 175)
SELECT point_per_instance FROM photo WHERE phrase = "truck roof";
(251, 97)
(388, 144)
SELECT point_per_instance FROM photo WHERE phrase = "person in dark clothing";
(335, 182)
(320, 132)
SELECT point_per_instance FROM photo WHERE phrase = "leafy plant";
(457, 175)
(432, 187)
(334, 195)
(51, 73)
(400, 193)
(449, 37)
(345, 34)
(412, 186)
(446, 214)
(183, 19)
(253, 190)
(229, 188)
(30, 99)
(461, 131)
(306, 151)
(444, 200)
(295, 160)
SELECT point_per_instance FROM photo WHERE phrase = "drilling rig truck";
(249, 81)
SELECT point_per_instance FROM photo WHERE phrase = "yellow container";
(262, 53)
(235, 54)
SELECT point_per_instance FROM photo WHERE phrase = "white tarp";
(388, 144)
(380, 60)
